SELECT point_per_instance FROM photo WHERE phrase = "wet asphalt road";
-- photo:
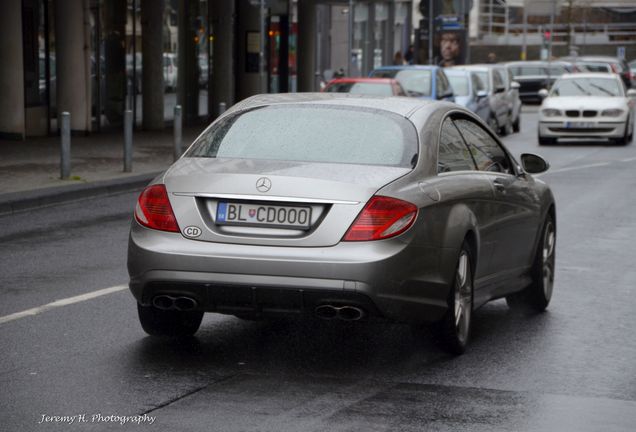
(572, 368)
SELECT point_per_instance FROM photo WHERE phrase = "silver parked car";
(338, 206)
(470, 92)
(493, 78)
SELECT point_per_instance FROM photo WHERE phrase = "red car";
(366, 86)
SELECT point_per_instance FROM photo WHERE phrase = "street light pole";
(524, 49)
(552, 15)
(350, 38)
(261, 54)
(430, 32)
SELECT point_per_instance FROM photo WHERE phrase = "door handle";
(499, 185)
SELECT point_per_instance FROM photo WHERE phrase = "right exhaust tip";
(345, 313)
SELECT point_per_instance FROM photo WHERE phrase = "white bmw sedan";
(587, 105)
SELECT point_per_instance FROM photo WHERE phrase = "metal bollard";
(222, 108)
(128, 140)
(65, 147)
(177, 131)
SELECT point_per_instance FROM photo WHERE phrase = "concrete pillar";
(114, 31)
(73, 63)
(152, 60)
(306, 46)
(188, 77)
(12, 72)
(248, 46)
(222, 87)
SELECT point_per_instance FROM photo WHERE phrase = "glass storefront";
(38, 45)
(117, 59)
(379, 36)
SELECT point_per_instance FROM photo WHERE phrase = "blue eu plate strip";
(221, 212)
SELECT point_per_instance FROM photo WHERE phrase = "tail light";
(382, 218)
(154, 210)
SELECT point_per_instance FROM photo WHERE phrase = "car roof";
(458, 71)
(590, 75)
(600, 58)
(407, 67)
(363, 80)
(476, 68)
(402, 106)
(538, 63)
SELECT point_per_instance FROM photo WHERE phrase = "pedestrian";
(492, 57)
(398, 59)
(409, 55)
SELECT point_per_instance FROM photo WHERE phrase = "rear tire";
(157, 322)
(626, 139)
(492, 124)
(516, 126)
(546, 141)
(507, 128)
(453, 331)
(536, 297)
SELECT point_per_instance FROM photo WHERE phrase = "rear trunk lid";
(274, 203)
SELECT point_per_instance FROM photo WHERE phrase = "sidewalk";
(30, 170)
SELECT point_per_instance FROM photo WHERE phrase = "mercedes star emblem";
(263, 184)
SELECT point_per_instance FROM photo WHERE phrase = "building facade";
(98, 58)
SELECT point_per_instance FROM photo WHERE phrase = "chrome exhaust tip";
(350, 313)
(326, 312)
(163, 302)
(185, 303)
(345, 313)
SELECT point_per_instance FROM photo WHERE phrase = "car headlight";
(551, 112)
(612, 112)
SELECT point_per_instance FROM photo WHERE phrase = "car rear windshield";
(593, 67)
(587, 87)
(459, 84)
(415, 82)
(375, 89)
(311, 133)
(527, 70)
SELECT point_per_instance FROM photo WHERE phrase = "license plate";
(228, 213)
(580, 125)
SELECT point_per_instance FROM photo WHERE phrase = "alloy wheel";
(463, 297)
(549, 238)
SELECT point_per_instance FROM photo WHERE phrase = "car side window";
(488, 154)
(453, 154)
(504, 77)
(442, 84)
(478, 84)
(497, 80)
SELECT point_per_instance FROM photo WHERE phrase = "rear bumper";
(558, 129)
(390, 279)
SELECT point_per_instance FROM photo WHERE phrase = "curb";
(15, 202)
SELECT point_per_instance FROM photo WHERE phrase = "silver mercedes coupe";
(335, 206)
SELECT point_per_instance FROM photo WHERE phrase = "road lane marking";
(600, 164)
(62, 302)
(628, 160)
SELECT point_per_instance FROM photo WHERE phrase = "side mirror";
(543, 93)
(534, 164)
(515, 85)
(482, 94)
(631, 93)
